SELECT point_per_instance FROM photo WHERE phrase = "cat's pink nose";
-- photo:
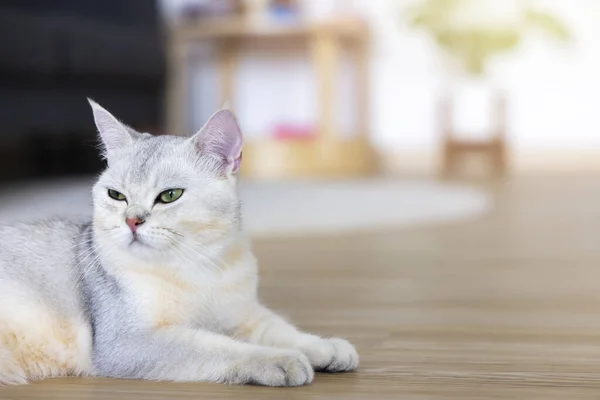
(133, 223)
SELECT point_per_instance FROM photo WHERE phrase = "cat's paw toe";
(283, 368)
(331, 355)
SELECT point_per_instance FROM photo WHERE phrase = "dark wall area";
(54, 54)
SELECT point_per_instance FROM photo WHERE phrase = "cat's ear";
(221, 139)
(113, 133)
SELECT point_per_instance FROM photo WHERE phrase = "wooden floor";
(503, 307)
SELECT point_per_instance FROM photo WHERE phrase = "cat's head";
(166, 196)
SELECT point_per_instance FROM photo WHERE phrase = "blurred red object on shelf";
(289, 131)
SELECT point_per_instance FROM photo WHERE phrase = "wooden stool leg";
(445, 112)
(494, 150)
(499, 161)
(325, 53)
(361, 56)
(227, 66)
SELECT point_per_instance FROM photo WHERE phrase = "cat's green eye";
(116, 195)
(169, 196)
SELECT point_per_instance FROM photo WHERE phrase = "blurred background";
(435, 92)
(475, 123)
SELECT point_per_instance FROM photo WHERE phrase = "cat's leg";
(269, 329)
(181, 354)
(37, 341)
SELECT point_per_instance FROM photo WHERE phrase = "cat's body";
(44, 327)
(153, 288)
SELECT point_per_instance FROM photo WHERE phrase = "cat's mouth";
(136, 240)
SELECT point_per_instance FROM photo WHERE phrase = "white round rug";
(287, 208)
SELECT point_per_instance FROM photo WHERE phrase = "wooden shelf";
(327, 154)
(306, 158)
(239, 28)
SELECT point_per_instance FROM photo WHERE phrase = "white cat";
(162, 284)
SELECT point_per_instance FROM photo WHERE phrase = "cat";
(160, 285)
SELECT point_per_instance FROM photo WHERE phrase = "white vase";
(474, 112)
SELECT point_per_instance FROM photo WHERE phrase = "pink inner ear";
(237, 163)
(222, 137)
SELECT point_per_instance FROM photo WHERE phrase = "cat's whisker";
(171, 231)
(87, 233)
(87, 268)
(212, 263)
(94, 249)
(173, 243)
(80, 244)
(83, 254)
(209, 253)
(81, 234)
(80, 273)
(191, 258)
(110, 229)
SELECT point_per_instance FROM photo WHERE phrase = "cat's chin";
(137, 243)
(143, 251)
(141, 241)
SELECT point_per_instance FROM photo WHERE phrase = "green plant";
(474, 45)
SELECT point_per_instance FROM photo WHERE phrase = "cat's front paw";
(330, 355)
(279, 368)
